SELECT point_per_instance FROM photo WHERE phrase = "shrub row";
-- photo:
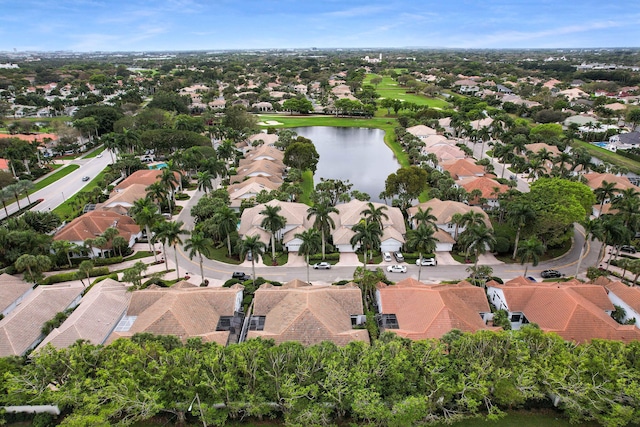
(73, 275)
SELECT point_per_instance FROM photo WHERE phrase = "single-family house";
(421, 131)
(21, 329)
(95, 318)
(249, 189)
(297, 311)
(12, 291)
(186, 311)
(124, 198)
(490, 190)
(349, 214)
(93, 223)
(462, 168)
(415, 311)
(576, 311)
(444, 211)
(296, 221)
(145, 177)
(266, 168)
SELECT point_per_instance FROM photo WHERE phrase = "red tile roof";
(427, 311)
(94, 223)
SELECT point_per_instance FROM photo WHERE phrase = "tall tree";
(310, 245)
(367, 235)
(519, 215)
(199, 245)
(531, 250)
(605, 192)
(479, 239)
(422, 240)
(170, 234)
(273, 222)
(145, 213)
(227, 222)
(373, 214)
(321, 211)
(253, 245)
(34, 266)
(205, 181)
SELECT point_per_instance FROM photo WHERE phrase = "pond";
(355, 154)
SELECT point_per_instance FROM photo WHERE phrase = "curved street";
(218, 272)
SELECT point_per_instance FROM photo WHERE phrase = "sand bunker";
(269, 123)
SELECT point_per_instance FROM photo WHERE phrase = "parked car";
(386, 257)
(397, 268)
(249, 256)
(430, 262)
(85, 178)
(548, 274)
(399, 257)
(322, 266)
(240, 276)
(99, 155)
(628, 248)
(531, 279)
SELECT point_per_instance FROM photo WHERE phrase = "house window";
(516, 317)
(256, 323)
(388, 321)
(224, 324)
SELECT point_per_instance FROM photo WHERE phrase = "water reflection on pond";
(357, 154)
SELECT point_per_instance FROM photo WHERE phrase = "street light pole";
(199, 408)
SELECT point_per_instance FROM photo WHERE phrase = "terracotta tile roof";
(573, 310)
(145, 177)
(349, 214)
(294, 213)
(425, 311)
(462, 168)
(126, 196)
(421, 130)
(94, 223)
(264, 150)
(248, 163)
(184, 310)
(20, 330)
(309, 314)
(444, 210)
(96, 316)
(630, 295)
(11, 288)
(4, 165)
(446, 153)
(485, 185)
(594, 180)
(31, 137)
(265, 168)
(537, 146)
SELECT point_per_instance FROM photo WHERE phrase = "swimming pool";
(157, 166)
(601, 144)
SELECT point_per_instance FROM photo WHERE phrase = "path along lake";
(355, 154)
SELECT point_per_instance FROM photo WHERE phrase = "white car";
(322, 266)
(427, 262)
(397, 268)
(386, 257)
(99, 155)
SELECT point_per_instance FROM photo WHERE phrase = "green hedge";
(107, 261)
(328, 257)
(73, 275)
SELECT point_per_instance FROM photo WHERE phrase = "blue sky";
(139, 25)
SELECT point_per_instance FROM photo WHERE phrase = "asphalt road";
(566, 264)
(56, 193)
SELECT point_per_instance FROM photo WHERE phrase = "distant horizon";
(86, 26)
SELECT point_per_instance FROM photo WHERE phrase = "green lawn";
(389, 88)
(54, 177)
(220, 254)
(608, 156)
(66, 210)
(94, 153)
(307, 186)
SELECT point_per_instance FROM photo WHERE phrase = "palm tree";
(323, 222)
(227, 222)
(367, 235)
(89, 244)
(15, 190)
(109, 234)
(24, 186)
(375, 215)
(425, 217)
(63, 246)
(628, 205)
(478, 238)
(311, 243)
(457, 219)
(272, 222)
(531, 250)
(145, 213)
(157, 231)
(519, 215)
(157, 193)
(613, 231)
(5, 196)
(34, 265)
(199, 245)
(592, 230)
(204, 181)
(101, 243)
(422, 239)
(253, 245)
(170, 183)
(170, 234)
(606, 191)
